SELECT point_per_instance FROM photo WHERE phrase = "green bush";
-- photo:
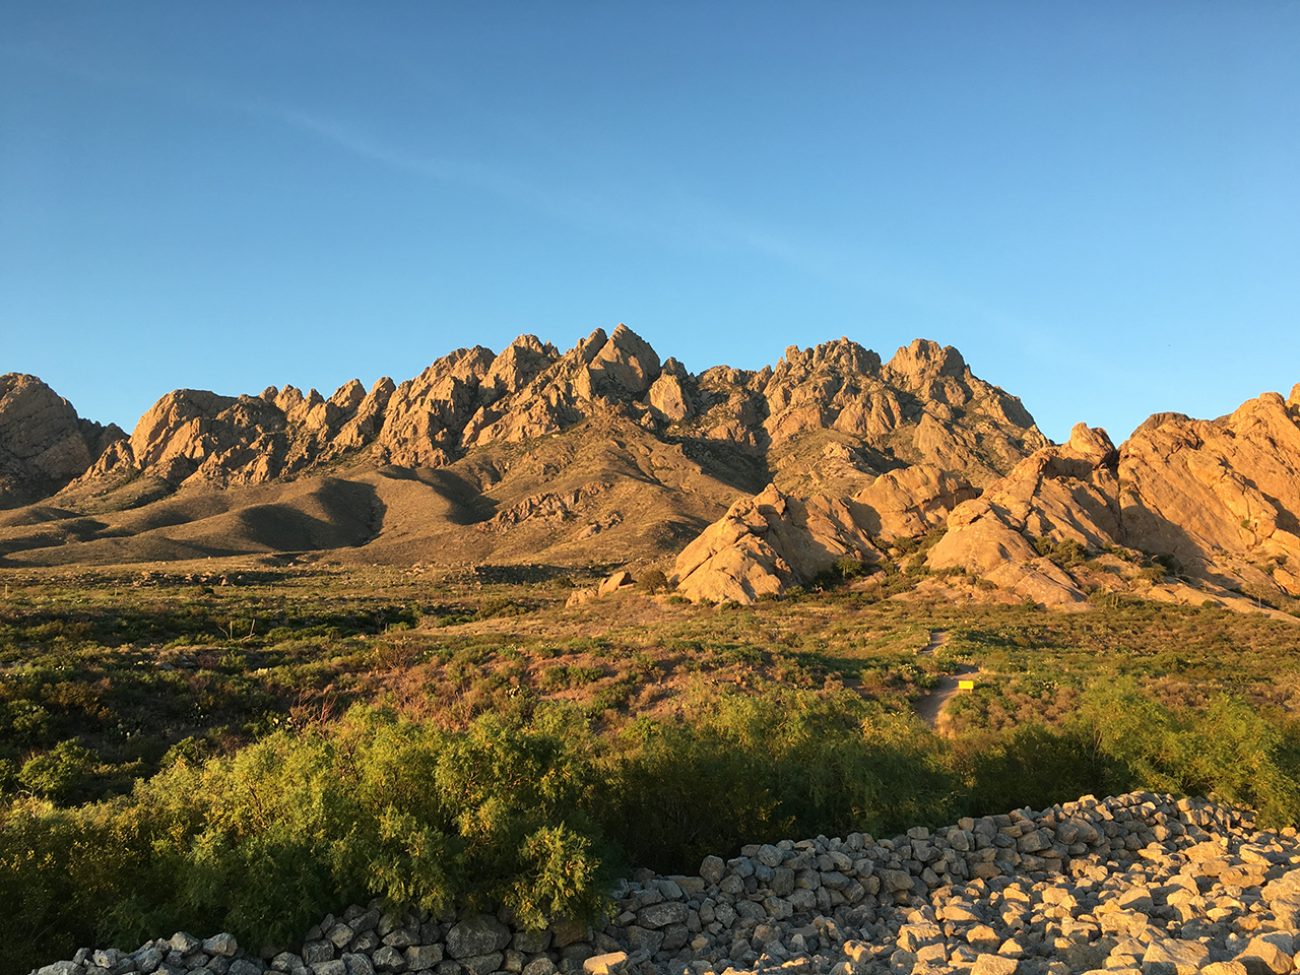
(61, 773)
(652, 581)
(535, 811)
(1066, 552)
(789, 764)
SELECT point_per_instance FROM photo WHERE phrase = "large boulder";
(909, 502)
(476, 936)
(766, 544)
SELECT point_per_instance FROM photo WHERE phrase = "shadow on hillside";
(732, 465)
(468, 504)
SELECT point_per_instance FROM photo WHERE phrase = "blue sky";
(1097, 203)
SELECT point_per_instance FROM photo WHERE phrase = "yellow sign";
(965, 685)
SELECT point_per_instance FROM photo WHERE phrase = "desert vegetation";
(179, 752)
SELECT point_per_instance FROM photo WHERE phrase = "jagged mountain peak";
(841, 355)
(925, 360)
(44, 444)
(879, 417)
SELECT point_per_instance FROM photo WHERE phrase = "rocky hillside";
(43, 443)
(602, 453)
(830, 462)
(862, 415)
(1135, 883)
(1185, 510)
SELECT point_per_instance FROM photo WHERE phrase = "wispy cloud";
(648, 205)
(368, 147)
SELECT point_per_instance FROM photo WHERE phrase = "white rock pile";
(1140, 883)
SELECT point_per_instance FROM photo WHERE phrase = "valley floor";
(189, 743)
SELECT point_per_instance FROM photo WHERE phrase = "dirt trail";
(937, 639)
(929, 708)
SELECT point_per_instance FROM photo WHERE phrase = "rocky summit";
(43, 443)
(923, 404)
(738, 484)
(1140, 883)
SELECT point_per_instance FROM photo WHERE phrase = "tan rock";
(987, 964)
(425, 416)
(1065, 493)
(366, 420)
(1268, 954)
(606, 964)
(518, 364)
(581, 596)
(1186, 957)
(766, 544)
(625, 363)
(907, 503)
(43, 443)
(668, 396)
(1224, 968)
(1220, 497)
(924, 407)
(614, 582)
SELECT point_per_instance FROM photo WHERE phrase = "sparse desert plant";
(1065, 552)
(652, 581)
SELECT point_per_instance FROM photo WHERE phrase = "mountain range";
(741, 484)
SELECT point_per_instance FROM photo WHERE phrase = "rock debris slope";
(1139, 883)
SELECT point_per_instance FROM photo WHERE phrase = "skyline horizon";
(1095, 204)
(325, 390)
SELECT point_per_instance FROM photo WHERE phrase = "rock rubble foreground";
(1140, 883)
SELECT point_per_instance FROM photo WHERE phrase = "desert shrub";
(1029, 765)
(76, 873)
(1235, 753)
(24, 721)
(569, 676)
(492, 606)
(1120, 739)
(652, 581)
(63, 772)
(752, 769)
(529, 808)
(1065, 552)
(1227, 750)
(852, 567)
(265, 841)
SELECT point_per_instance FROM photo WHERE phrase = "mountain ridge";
(755, 481)
(472, 397)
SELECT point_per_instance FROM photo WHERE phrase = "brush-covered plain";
(248, 746)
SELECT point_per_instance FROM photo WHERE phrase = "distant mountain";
(756, 481)
(923, 404)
